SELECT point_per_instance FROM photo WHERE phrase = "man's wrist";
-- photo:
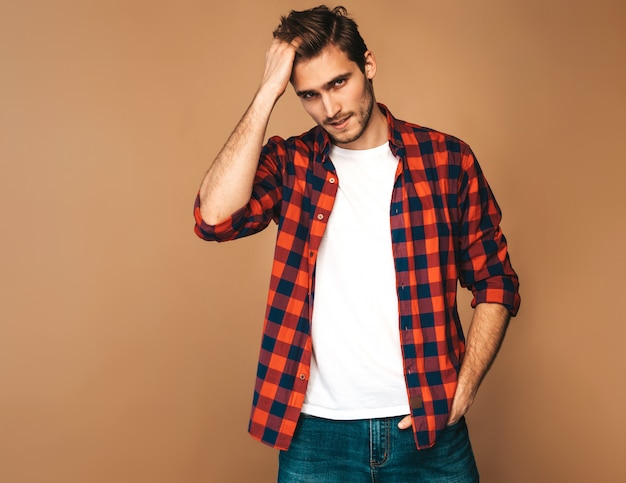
(267, 95)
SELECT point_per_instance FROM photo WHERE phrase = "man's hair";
(320, 27)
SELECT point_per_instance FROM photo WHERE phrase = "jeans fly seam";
(383, 437)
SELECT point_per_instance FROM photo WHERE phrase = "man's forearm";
(484, 338)
(227, 185)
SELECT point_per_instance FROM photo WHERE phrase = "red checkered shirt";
(444, 228)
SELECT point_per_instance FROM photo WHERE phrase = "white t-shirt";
(357, 370)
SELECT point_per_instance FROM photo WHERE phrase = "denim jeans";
(374, 450)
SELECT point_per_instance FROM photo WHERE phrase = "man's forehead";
(314, 73)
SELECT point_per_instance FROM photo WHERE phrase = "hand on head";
(279, 61)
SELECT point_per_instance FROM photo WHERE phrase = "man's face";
(337, 95)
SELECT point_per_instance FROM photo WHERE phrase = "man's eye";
(340, 82)
(308, 95)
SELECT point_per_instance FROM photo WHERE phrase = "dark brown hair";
(319, 27)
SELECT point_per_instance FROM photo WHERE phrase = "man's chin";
(344, 138)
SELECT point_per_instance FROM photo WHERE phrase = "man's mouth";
(339, 123)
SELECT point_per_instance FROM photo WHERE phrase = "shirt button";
(320, 216)
(302, 377)
(331, 180)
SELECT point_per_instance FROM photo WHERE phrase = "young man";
(364, 373)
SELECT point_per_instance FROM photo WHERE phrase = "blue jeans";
(374, 450)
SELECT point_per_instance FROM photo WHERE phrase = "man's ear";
(370, 65)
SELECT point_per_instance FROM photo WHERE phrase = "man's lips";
(339, 123)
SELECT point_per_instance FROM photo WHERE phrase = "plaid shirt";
(444, 228)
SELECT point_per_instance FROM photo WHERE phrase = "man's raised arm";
(227, 185)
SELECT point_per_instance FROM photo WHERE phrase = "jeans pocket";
(458, 424)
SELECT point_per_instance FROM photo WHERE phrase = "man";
(364, 373)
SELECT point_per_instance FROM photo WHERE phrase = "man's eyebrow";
(328, 85)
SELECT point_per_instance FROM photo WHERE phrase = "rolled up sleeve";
(264, 204)
(485, 267)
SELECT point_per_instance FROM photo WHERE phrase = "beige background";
(128, 346)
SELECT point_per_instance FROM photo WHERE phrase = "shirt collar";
(395, 138)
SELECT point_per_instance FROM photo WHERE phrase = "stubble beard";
(363, 118)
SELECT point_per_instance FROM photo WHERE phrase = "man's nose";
(331, 106)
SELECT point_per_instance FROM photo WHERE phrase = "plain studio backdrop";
(128, 346)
